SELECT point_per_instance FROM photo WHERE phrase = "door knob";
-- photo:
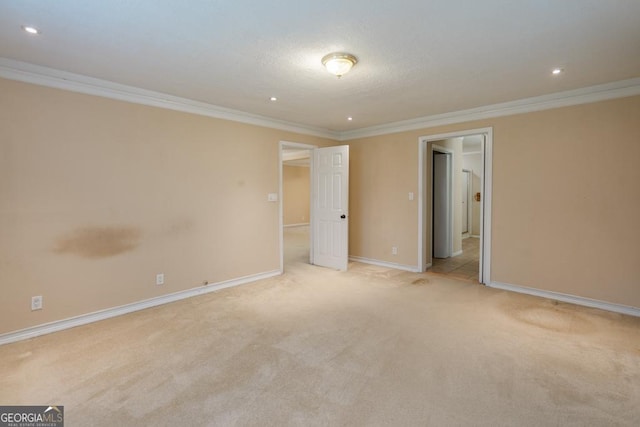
(343, 216)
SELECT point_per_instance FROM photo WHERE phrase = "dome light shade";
(339, 63)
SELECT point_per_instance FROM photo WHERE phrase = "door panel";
(330, 223)
(466, 197)
(442, 189)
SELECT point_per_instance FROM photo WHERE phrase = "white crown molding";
(44, 76)
(568, 98)
(572, 299)
(84, 319)
(411, 268)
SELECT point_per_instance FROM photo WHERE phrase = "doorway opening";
(328, 195)
(455, 204)
(296, 240)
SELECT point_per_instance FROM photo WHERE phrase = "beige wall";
(563, 218)
(97, 196)
(295, 194)
(383, 170)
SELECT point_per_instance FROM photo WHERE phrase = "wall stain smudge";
(98, 242)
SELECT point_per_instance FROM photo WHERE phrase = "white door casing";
(330, 207)
(486, 185)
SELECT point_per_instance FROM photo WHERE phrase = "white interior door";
(442, 221)
(330, 203)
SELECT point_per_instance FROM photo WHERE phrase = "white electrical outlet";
(36, 303)
(160, 279)
(411, 196)
(394, 250)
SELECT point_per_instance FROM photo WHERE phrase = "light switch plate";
(272, 197)
(36, 303)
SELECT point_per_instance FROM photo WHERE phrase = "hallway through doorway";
(464, 266)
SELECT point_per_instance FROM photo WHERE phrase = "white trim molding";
(84, 319)
(572, 299)
(410, 268)
(44, 76)
(587, 95)
(295, 225)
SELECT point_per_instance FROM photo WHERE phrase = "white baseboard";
(84, 319)
(411, 268)
(573, 299)
(477, 236)
(296, 225)
(457, 253)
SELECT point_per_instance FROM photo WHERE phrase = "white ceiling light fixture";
(557, 71)
(30, 30)
(339, 63)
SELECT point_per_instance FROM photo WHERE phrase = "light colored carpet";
(372, 346)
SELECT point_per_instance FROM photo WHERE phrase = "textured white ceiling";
(416, 57)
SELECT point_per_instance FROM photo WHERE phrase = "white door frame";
(486, 189)
(300, 146)
(441, 149)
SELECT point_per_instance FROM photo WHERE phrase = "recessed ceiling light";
(350, 118)
(30, 30)
(273, 98)
(557, 71)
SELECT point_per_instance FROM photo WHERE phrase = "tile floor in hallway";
(463, 266)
